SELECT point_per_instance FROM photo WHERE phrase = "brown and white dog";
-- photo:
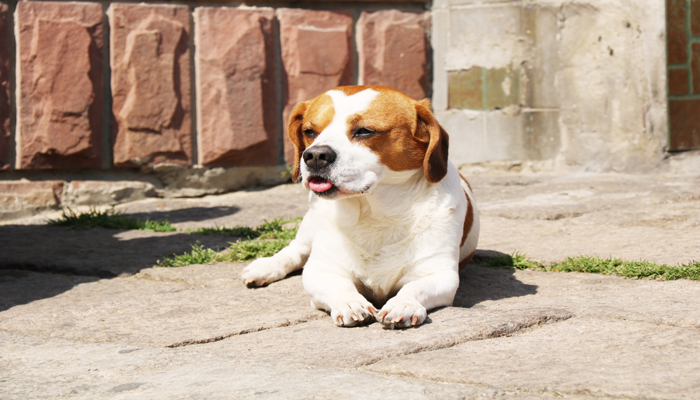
(390, 220)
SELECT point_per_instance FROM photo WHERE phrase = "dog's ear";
(429, 131)
(296, 136)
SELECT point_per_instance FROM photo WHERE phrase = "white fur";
(396, 246)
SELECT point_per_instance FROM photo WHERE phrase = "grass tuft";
(108, 219)
(597, 265)
(264, 241)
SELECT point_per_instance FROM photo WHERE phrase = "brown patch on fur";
(466, 181)
(315, 114)
(464, 262)
(468, 221)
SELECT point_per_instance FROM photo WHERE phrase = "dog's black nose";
(319, 157)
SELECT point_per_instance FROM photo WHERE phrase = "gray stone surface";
(198, 332)
(580, 356)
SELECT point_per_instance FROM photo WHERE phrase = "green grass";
(597, 265)
(263, 241)
(109, 219)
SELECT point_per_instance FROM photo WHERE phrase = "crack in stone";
(297, 321)
(503, 330)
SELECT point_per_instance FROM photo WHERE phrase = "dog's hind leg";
(293, 257)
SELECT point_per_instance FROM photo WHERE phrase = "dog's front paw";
(402, 313)
(353, 312)
(261, 272)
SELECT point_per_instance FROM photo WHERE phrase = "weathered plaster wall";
(589, 77)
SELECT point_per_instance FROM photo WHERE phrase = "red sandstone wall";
(250, 67)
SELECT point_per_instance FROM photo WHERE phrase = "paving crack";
(536, 319)
(298, 321)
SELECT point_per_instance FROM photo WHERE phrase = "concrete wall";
(570, 83)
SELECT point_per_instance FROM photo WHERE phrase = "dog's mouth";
(322, 186)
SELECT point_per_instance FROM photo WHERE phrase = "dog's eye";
(310, 133)
(363, 132)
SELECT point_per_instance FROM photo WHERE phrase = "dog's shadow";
(479, 283)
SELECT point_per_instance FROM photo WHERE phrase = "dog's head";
(347, 139)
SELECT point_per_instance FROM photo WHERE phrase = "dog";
(391, 221)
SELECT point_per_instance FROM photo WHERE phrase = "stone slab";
(393, 51)
(607, 358)
(672, 303)
(150, 60)
(25, 198)
(237, 102)
(148, 310)
(551, 217)
(59, 96)
(35, 367)
(321, 343)
(100, 193)
(5, 133)
(316, 56)
(93, 252)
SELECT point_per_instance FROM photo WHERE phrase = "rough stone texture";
(599, 65)
(520, 334)
(194, 182)
(4, 87)
(320, 343)
(236, 110)
(393, 51)
(316, 55)
(97, 193)
(603, 215)
(51, 368)
(685, 124)
(150, 59)
(582, 355)
(467, 135)
(176, 313)
(22, 199)
(466, 89)
(59, 99)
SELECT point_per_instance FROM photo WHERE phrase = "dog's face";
(347, 139)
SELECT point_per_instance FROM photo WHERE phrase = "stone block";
(676, 39)
(504, 136)
(695, 17)
(59, 99)
(677, 81)
(541, 135)
(4, 87)
(489, 37)
(24, 198)
(96, 193)
(438, 38)
(150, 59)
(316, 56)
(465, 89)
(393, 51)
(501, 86)
(684, 124)
(236, 118)
(540, 70)
(466, 131)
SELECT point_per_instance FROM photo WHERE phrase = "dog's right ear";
(296, 136)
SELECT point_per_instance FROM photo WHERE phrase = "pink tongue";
(319, 185)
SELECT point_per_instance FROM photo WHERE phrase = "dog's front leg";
(269, 269)
(420, 293)
(333, 290)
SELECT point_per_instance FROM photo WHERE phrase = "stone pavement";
(84, 315)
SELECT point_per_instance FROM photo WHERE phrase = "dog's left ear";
(428, 130)
(296, 136)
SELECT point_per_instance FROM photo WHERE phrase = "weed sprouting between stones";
(108, 219)
(598, 265)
